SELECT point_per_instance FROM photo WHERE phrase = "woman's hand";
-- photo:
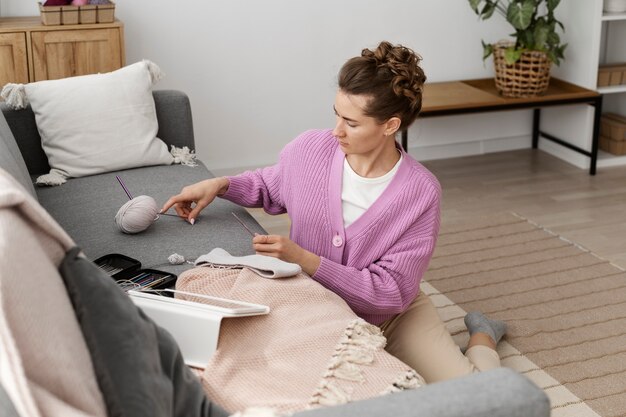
(283, 248)
(200, 194)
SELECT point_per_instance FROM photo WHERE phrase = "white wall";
(260, 72)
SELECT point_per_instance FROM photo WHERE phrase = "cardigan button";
(337, 241)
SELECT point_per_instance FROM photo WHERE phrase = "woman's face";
(356, 132)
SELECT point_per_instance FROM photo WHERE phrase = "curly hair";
(391, 76)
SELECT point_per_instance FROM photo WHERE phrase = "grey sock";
(477, 322)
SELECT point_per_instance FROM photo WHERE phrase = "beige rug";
(565, 307)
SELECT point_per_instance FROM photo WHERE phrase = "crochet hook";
(169, 214)
(243, 224)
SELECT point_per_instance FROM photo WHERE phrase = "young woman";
(364, 214)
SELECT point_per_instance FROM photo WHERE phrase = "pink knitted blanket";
(310, 350)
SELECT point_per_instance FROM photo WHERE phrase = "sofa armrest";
(497, 393)
(174, 115)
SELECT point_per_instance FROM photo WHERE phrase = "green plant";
(533, 31)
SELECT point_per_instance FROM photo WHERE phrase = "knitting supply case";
(127, 272)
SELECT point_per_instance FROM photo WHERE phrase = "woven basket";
(528, 77)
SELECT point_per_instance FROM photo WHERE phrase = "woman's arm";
(194, 198)
(386, 286)
(283, 248)
(390, 282)
(269, 187)
(265, 187)
(259, 188)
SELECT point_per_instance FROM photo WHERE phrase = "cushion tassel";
(155, 71)
(15, 96)
(52, 178)
(184, 156)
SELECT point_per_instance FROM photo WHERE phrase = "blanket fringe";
(15, 96)
(329, 394)
(184, 156)
(410, 380)
(155, 71)
(256, 412)
(51, 179)
(356, 347)
(339, 368)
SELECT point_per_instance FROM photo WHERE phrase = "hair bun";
(407, 77)
(390, 77)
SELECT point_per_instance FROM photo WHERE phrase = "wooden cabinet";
(13, 61)
(30, 51)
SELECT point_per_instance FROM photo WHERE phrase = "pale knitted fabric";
(310, 350)
(45, 365)
(264, 266)
(377, 262)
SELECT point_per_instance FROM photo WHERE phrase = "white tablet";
(223, 306)
(194, 325)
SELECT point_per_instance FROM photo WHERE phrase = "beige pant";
(420, 339)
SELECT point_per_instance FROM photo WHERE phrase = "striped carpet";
(565, 308)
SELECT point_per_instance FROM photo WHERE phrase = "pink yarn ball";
(57, 3)
(79, 2)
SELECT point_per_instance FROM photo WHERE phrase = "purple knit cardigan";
(376, 263)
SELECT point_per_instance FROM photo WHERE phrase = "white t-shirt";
(359, 193)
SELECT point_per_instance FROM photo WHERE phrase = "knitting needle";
(243, 224)
(130, 197)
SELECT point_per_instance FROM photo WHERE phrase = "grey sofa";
(85, 208)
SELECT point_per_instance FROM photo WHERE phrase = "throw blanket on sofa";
(45, 366)
(310, 350)
(58, 311)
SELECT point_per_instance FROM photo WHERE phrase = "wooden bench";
(481, 96)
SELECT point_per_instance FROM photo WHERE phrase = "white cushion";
(98, 123)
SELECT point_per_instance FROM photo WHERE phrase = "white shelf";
(606, 159)
(613, 16)
(612, 89)
(610, 40)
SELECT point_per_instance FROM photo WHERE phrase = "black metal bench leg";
(536, 120)
(597, 105)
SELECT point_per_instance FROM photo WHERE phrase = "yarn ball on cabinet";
(57, 3)
(79, 2)
(99, 2)
(137, 214)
